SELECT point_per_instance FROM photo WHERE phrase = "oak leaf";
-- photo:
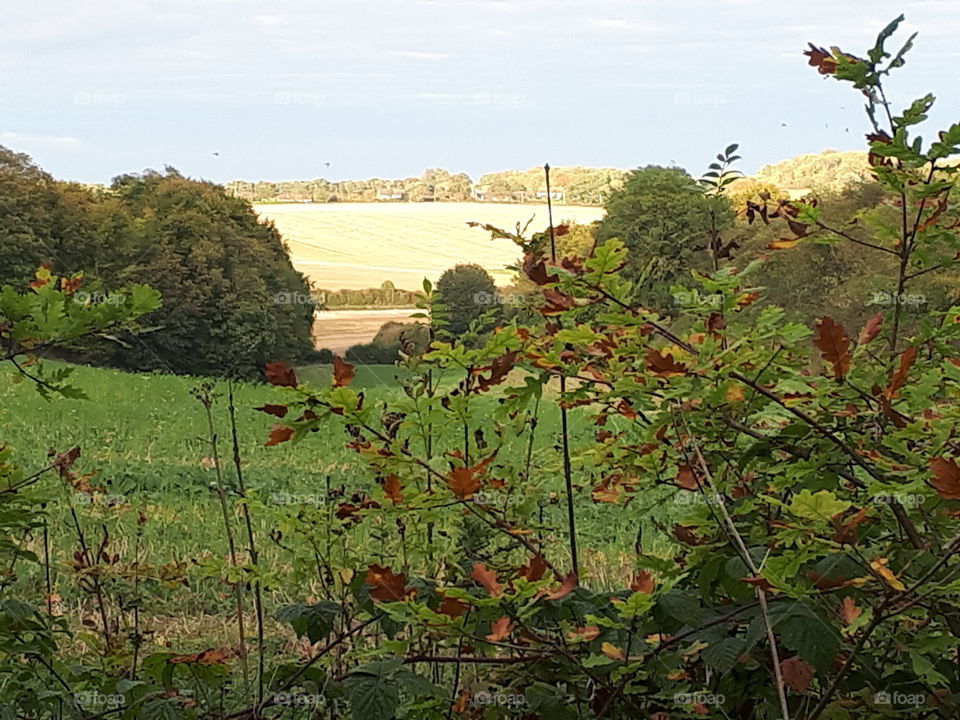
(279, 434)
(879, 566)
(387, 586)
(565, 588)
(452, 607)
(534, 569)
(796, 674)
(583, 634)
(849, 610)
(643, 583)
(392, 489)
(831, 340)
(277, 373)
(487, 578)
(907, 357)
(663, 365)
(870, 329)
(276, 410)
(343, 372)
(612, 651)
(500, 629)
(946, 478)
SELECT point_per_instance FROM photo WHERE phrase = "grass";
(360, 245)
(146, 437)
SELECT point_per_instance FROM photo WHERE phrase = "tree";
(662, 217)
(231, 296)
(466, 292)
(28, 205)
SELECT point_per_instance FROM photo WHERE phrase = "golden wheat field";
(361, 245)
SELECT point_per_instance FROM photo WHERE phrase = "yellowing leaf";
(612, 651)
(879, 566)
(821, 505)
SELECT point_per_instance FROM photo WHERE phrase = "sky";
(246, 89)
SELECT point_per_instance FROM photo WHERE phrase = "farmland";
(361, 245)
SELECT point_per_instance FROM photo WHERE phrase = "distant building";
(556, 194)
(483, 193)
(389, 195)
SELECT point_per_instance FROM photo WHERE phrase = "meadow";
(147, 440)
(361, 245)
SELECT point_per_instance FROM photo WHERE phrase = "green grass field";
(360, 245)
(147, 439)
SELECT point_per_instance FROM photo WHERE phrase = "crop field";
(146, 439)
(337, 330)
(361, 245)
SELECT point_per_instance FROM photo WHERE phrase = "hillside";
(573, 185)
(829, 170)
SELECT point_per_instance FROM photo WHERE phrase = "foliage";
(32, 324)
(579, 186)
(466, 293)
(571, 185)
(818, 465)
(663, 218)
(382, 297)
(826, 172)
(809, 571)
(231, 297)
(432, 186)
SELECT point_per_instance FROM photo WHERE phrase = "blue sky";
(95, 88)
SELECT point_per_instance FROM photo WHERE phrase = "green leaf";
(373, 691)
(314, 622)
(722, 655)
(822, 505)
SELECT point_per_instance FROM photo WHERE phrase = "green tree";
(663, 218)
(232, 298)
(466, 292)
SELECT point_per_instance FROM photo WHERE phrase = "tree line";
(231, 297)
